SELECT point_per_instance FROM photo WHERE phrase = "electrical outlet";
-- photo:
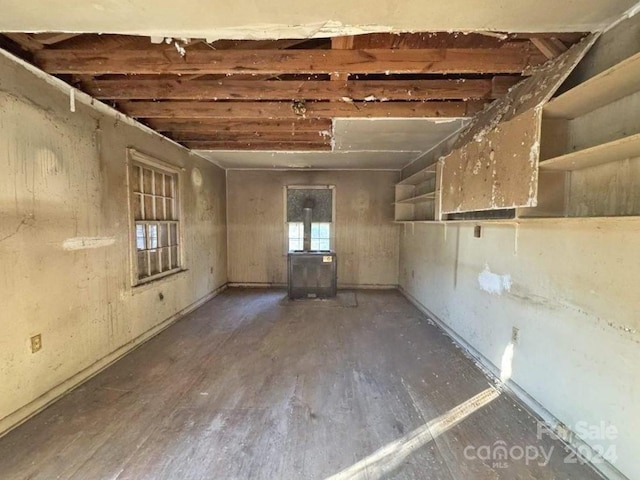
(36, 343)
(515, 335)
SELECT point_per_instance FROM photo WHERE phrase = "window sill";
(156, 282)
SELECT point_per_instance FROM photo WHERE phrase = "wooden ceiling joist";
(385, 90)
(244, 124)
(259, 136)
(550, 47)
(285, 110)
(283, 94)
(258, 145)
(51, 38)
(511, 58)
(235, 125)
(26, 41)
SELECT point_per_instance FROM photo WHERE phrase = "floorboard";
(253, 387)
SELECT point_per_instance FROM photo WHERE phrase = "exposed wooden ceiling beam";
(285, 110)
(427, 40)
(269, 146)
(501, 84)
(249, 45)
(341, 43)
(244, 136)
(415, 90)
(25, 40)
(51, 38)
(550, 47)
(565, 37)
(508, 59)
(244, 125)
(257, 44)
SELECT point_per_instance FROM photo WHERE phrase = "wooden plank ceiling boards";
(283, 94)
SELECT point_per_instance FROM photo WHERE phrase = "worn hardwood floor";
(249, 387)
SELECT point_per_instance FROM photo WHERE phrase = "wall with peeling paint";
(64, 243)
(569, 286)
(366, 237)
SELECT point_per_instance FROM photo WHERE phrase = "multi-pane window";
(155, 213)
(320, 236)
(296, 236)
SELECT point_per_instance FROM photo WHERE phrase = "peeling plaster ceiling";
(367, 144)
(392, 135)
(309, 160)
(254, 19)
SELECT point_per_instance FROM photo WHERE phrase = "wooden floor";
(251, 387)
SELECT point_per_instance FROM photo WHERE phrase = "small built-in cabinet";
(417, 197)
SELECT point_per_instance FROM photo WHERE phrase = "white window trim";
(285, 227)
(135, 156)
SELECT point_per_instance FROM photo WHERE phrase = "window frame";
(137, 158)
(300, 239)
(332, 233)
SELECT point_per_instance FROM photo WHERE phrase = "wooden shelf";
(417, 221)
(420, 176)
(523, 221)
(418, 199)
(613, 84)
(628, 147)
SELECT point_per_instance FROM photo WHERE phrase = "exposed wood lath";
(283, 94)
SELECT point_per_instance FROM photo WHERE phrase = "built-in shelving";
(566, 184)
(526, 220)
(620, 149)
(419, 198)
(613, 84)
(420, 176)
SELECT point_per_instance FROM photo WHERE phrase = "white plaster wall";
(62, 177)
(571, 288)
(366, 238)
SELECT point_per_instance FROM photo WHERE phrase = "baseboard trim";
(256, 285)
(365, 286)
(34, 407)
(605, 468)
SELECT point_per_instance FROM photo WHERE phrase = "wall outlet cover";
(36, 343)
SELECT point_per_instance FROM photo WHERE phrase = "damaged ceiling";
(374, 144)
(304, 95)
(327, 79)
